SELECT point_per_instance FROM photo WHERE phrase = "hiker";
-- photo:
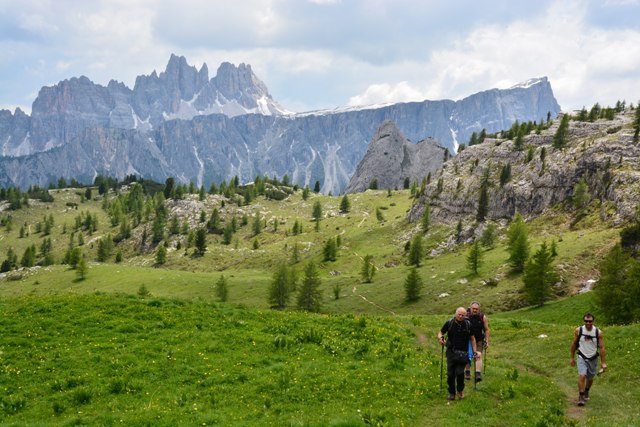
(480, 330)
(587, 339)
(458, 331)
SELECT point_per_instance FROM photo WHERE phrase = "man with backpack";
(458, 331)
(587, 339)
(480, 330)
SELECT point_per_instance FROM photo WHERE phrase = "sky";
(323, 54)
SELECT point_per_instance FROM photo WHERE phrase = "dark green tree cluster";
(368, 269)
(330, 250)
(598, 112)
(222, 289)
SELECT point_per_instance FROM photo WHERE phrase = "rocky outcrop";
(603, 153)
(205, 129)
(391, 158)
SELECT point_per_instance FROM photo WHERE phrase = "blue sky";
(317, 54)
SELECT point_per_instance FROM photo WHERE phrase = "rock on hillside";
(391, 157)
(602, 152)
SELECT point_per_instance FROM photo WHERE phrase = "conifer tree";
(345, 204)
(488, 237)
(368, 269)
(518, 243)
(281, 287)
(413, 285)
(636, 125)
(539, 276)
(82, 268)
(222, 289)
(415, 251)
(425, 221)
(257, 224)
(201, 241)
(310, 296)
(474, 259)
(580, 194)
(559, 138)
(617, 292)
(161, 255)
(330, 250)
(305, 192)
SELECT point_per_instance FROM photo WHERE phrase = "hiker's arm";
(486, 331)
(441, 334)
(574, 346)
(603, 353)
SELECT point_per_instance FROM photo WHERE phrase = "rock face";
(603, 153)
(391, 158)
(199, 129)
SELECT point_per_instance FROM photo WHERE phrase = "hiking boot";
(451, 396)
(461, 395)
(478, 376)
(467, 375)
(581, 401)
(586, 394)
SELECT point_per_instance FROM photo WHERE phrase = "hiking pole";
(441, 367)
(484, 361)
(475, 376)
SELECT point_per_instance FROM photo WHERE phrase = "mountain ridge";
(249, 132)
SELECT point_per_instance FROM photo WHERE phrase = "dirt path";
(355, 292)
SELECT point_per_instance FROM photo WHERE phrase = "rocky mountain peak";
(391, 158)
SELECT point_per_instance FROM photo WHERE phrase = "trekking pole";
(475, 376)
(484, 362)
(441, 367)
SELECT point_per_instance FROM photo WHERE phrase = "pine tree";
(426, 217)
(368, 269)
(483, 202)
(257, 224)
(316, 187)
(559, 138)
(518, 243)
(82, 268)
(474, 259)
(379, 215)
(310, 296)
(222, 289)
(415, 251)
(305, 192)
(345, 204)
(488, 237)
(330, 250)
(636, 125)
(201, 241)
(539, 276)
(505, 174)
(161, 255)
(580, 194)
(413, 285)
(616, 293)
(282, 284)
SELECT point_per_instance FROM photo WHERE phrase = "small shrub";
(81, 396)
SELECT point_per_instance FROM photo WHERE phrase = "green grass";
(93, 352)
(106, 360)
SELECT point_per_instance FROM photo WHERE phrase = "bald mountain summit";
(181, 123)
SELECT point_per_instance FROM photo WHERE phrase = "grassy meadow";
(98, 351)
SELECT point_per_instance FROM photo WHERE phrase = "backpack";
(452, 321)
(481, 317)
(580, 334)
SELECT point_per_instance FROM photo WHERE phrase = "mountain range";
(182, 123)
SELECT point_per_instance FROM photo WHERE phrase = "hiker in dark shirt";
(480, 330)
(458, 332)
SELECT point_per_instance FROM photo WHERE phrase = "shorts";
(587, 367)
